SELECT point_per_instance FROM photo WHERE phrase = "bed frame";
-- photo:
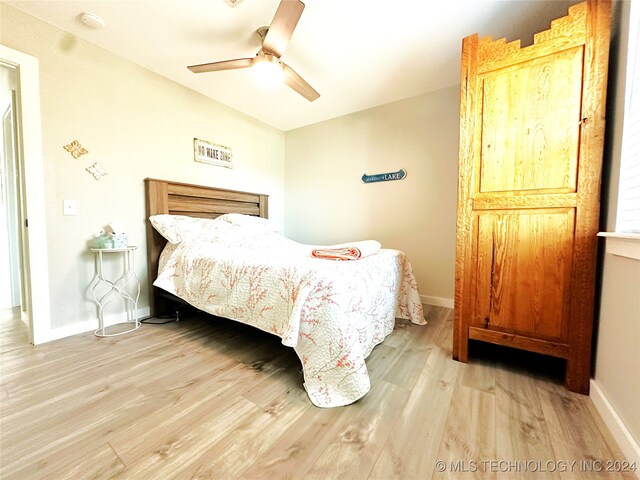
(176, 198)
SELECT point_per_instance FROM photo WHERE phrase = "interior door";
(11, 207)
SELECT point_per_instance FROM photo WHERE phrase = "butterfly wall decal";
(75, 149)
(96, 170)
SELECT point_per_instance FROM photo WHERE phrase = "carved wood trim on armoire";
(531, 140)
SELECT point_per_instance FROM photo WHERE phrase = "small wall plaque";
(96, 170)
(384, 177)
(75, 149)
(207, 152)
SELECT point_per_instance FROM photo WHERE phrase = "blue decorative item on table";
(111, 236)
(104, 240)
(120, 240)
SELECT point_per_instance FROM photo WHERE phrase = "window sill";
(622, 244)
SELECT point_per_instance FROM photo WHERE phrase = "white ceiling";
(356, 53)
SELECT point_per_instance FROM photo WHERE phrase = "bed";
(331, 313)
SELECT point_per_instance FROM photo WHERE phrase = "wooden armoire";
(531, 141)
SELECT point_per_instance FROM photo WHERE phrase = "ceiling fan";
(274, 43)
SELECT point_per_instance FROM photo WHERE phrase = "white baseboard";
(623, 437)
(89, 325)
(437, 301)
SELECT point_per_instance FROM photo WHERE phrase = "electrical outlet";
(69, 207)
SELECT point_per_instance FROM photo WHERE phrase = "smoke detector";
(92, 20)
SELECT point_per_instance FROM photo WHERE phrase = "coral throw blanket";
(347, 251)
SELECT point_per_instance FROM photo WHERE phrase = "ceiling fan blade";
(298, 83)
(224, 65)
(282, 27)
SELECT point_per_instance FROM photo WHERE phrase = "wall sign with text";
(207, 152)
(384, 177)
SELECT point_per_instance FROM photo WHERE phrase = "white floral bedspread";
(332, 313)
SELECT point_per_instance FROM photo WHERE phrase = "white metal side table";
(126, 287)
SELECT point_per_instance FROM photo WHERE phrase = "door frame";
(31, 162)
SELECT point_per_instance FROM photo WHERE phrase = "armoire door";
(532, 121)
(522, 262)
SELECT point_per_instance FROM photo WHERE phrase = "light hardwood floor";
(210, 398)
(13, 331)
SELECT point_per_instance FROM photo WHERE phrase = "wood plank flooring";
(210, 398)
(13, 331)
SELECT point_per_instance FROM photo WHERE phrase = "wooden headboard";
(194, 201)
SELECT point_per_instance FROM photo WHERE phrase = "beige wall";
(617, 351)
(327, 202)
(617, 372)
(137, 124)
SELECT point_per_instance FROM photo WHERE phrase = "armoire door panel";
(523, 271)
(530, 125)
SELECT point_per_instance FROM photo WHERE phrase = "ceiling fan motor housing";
(262, 32)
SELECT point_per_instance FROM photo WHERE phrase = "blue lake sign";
(384, 177)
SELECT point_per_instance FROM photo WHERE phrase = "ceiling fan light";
(268, 70)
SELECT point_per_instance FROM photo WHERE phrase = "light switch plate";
(69, 207)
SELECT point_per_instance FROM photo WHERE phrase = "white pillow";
(248, 221)
(178, 228)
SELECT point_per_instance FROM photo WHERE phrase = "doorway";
(23, 240)
(14, 328)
